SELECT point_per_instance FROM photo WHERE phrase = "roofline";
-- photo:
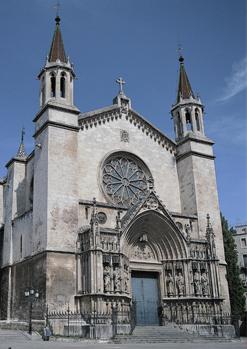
(154, 127)
(94, 113)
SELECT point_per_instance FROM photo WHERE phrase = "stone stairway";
(162, 334)
(13, 336)
(155, 334)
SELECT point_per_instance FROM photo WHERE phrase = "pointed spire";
(21, 153)
(184, 87)
(57, 48)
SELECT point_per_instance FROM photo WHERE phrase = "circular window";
(125, 179)
(102, 217)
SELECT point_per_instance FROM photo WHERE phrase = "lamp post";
(31, 295)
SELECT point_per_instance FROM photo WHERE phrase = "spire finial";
(121, 82)
(22, 134)
(57, 7)
(180, 53)
(21, 153)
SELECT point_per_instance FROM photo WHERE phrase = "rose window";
(124, 180)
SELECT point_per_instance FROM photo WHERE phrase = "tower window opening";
(188, 121)
(197, 120)
(53, 85)
(180, 126)
(62, 86)
(42, 92)
(21, 245)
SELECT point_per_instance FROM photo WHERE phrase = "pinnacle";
(184, 87)
(57, 51)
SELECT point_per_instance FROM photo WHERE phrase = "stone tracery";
(124, 179)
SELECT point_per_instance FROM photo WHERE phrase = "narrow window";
(188, 121)
(243, 242)
(53, 85)
(245, 260)
(180, 126)
(21, 245)
(43, 91)
(197, 120)
(62, 86)
(31, 193)
(87, 211)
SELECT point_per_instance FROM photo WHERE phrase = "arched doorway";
(150, 240)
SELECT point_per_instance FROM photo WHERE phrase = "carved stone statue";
(204, 283)
(180, 284)
(170, 284)
(197, 283)
(117, 279)
(107, 278)
(126, 279)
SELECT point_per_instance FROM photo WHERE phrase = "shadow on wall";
(23, 191)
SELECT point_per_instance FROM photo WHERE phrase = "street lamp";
(31, 296)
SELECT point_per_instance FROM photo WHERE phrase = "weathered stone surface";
(78, 224)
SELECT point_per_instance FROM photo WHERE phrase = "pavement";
(10, 339)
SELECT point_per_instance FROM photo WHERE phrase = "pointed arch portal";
(163, 238)
(150, 240)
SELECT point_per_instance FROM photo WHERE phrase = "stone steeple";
(184, 87)
(57, 76)
(188, 111)
(57, 51)
(21, 153)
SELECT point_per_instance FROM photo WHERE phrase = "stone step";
(13, 336)
(163, 334)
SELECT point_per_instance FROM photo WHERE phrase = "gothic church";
(107, 211)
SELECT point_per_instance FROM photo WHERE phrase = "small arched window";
(62, 85)
(197, 120)
(188, 121)
(180, 125)
(53, 85)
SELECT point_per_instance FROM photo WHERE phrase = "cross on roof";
(22, 134)
(121, 82)
(57, 8)
(180, 50)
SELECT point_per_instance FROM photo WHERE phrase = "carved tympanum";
(142, 251)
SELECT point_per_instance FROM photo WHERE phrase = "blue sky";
(136, 39)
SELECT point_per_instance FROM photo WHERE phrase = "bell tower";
(196, 169)
(187, 113)
(55, 200)
(57, 76)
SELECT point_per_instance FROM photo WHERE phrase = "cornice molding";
(192, 138)
(56, 106)
(194, 153)
(15, 159)
(56, 124)
(102, 204)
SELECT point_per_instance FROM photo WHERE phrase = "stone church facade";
(108, 211)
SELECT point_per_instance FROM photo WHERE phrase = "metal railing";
(83, 324)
